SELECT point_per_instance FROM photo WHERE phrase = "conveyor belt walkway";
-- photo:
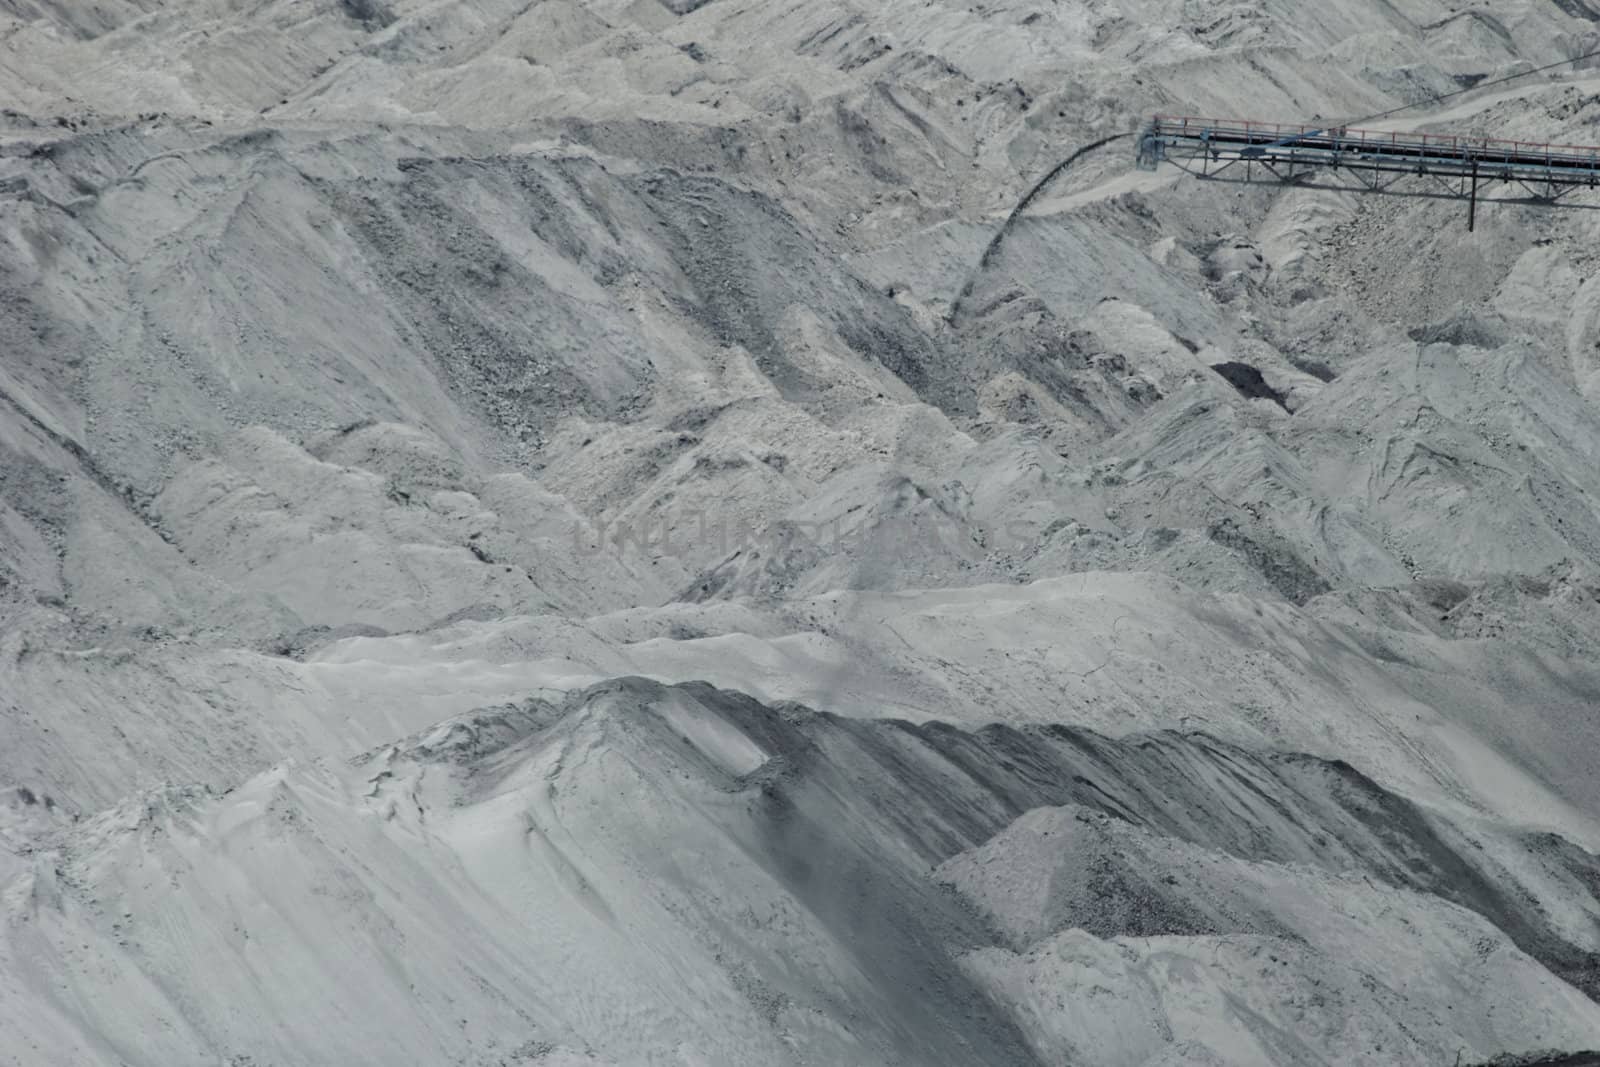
(1369, 160)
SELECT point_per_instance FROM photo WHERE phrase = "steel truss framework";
(1448, 166)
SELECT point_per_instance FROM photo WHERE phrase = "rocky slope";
(550, 533)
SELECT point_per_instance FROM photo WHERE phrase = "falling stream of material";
(991, 253)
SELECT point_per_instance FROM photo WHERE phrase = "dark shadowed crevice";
(1249, 382)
